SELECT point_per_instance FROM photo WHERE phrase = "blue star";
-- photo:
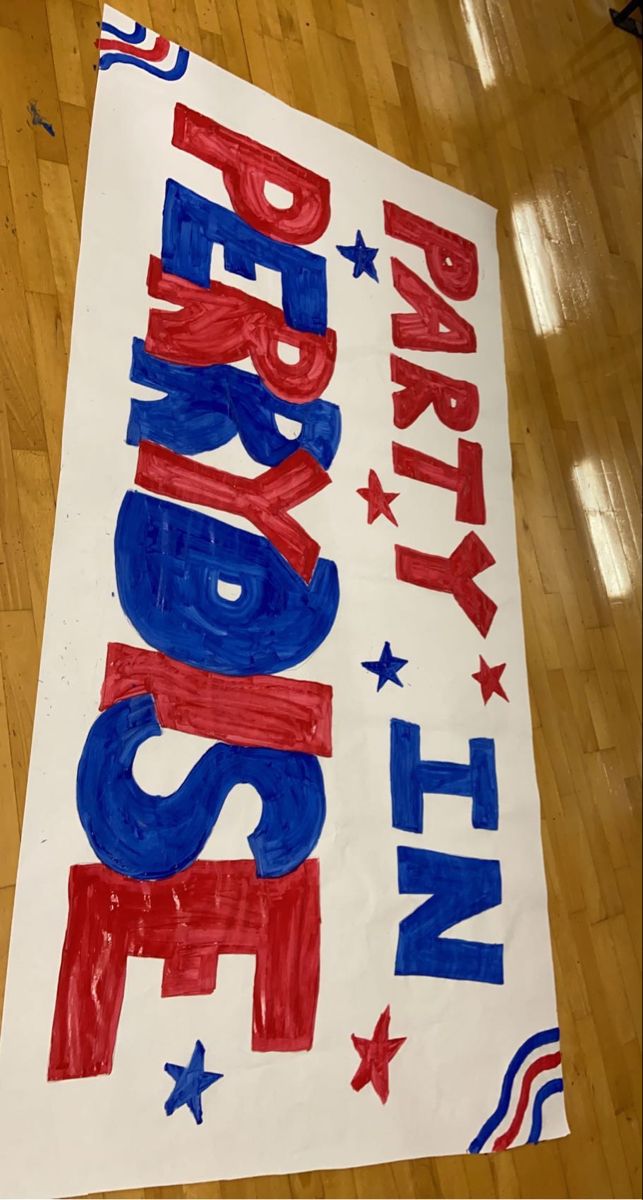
(189, 1082)
(362, 257)
(386, 667)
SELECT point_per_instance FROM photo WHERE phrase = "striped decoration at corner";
(521, 1095)
(162, 58)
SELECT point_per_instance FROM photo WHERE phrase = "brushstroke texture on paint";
(211, 909)
(153, 837)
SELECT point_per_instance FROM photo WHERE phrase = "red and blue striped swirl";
(163, 58)
(525, 1097)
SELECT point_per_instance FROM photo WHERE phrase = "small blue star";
(386, 667)
(362, 257)
(189, 1083)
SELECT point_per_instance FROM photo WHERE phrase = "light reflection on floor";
(589, 483)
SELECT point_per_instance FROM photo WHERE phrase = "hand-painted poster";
(281, 901)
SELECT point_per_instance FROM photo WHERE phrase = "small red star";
(376, 1053)
(489, 680)
(379, 501)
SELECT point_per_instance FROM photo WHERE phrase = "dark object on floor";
(625, 20)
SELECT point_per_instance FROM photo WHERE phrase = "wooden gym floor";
(532, 105)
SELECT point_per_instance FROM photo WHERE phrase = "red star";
(376, 1053)
(489, 680)
(379, 501)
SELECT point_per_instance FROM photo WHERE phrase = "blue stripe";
(532, 1043)
(548, 1089)
(134, 38)
(176, 72)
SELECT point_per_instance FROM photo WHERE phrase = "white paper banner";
(284, 599)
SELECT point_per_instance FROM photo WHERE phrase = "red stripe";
(155, 53)
(255, 710)
(546, 1063)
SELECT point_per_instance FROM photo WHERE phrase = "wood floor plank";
(66, 52)
(50, 358)
(36, 502)
(63, 237)
(20, 390)
(39, 83)
(9, 825)
(6, 910)
(20, 659)
(20, 138)
(14, 580)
